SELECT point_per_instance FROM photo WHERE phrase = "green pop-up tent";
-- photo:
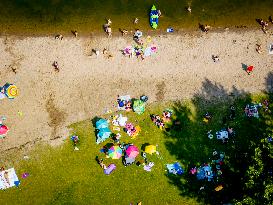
(139, 106)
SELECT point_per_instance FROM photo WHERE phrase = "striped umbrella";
(11, 91)
(3, 131)
(132, 151)
(115, 152)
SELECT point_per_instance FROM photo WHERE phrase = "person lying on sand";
(207, 27)
(59, 37)
(108, 29)
(215, 58)
(204, 28)
(75, 33)
(259, 48)
(137, 34)
(106, 53)
(264, 29)
(123, 32)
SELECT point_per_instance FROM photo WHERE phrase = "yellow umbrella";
(11, 90)
(150, 149)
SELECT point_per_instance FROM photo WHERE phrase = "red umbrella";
(250, 68)
(132, 151)
(3, 129)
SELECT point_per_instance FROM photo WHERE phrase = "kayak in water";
(154, 17)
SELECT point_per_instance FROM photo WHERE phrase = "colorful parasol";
(150, 149)
(115, 152)
(3, 131)
(11, 91)
(132, 151)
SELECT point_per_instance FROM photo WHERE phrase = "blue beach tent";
(175, 168)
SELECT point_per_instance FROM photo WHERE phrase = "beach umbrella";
(3, 131)
(132, 151)
(11, 91)
(150, 149)
(102, 123)
(103, 134)
(139, 106)
(115, 152)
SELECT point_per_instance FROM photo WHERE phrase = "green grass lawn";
(64, 176)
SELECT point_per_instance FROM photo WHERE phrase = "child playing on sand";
(136, 21)
(56, 66)
(108, 30)
(215, 58)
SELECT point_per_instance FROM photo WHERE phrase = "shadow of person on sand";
(244, 66)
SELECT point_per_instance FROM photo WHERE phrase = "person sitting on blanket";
(166, 116)
(231, 132)
(128, 106)
(6, 175)
(120, 103)
(207, 117)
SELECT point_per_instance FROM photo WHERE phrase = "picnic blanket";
(270, 50)
(8, 178)
(251, 110)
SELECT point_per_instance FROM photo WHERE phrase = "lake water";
(40, 17)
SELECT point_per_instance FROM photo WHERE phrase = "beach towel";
(110, 169)
(148, 167)
(9, 179)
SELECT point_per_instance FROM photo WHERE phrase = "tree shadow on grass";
(193, 148)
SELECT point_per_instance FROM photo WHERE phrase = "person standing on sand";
(249, 69)
(75, 33)
(56, 66)
(270, 19)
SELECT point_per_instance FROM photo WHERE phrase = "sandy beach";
(87, 85)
